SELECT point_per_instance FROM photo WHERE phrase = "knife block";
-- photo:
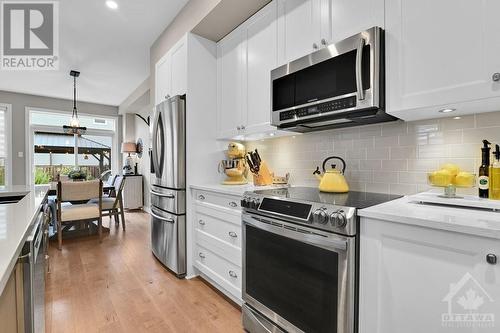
(264, 177)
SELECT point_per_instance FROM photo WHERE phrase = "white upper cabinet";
(163, 79)
(261, 58)
(171, 72)
(350, 17)
(230, 67)
(442, 54)
(179, 68)
(300, 26)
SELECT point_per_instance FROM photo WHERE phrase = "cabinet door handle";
(323, 42)
(233, 234)
(491, 259)
(315, 46)
(495, 77)
(201, 222)
(201, 255)
(233, 204)
(201, 197)
(233, 274)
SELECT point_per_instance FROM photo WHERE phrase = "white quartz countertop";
(458, 219)
(233, 189)
(16, 221)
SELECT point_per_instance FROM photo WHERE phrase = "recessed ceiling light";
(111, 4)
(447, 110)
(457, 118)
(271, 134)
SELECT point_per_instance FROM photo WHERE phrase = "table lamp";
(130, 148)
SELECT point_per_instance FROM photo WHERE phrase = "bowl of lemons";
(450, 177)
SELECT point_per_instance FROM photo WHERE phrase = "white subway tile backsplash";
(387, 158)
(385, 177)
(377, 188)
(395, 165)
(370, 165)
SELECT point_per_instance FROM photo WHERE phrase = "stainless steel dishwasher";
(33, 260)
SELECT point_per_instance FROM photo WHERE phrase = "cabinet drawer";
(220, 228)
(227, 274)
(223, 249)
(222, 200)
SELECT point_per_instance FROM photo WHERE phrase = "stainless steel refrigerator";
(168, 184)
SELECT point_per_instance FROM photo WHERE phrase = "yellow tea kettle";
(332, 180)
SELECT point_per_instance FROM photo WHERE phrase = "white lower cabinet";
(132, 192)
(217, 236)
(415, 279)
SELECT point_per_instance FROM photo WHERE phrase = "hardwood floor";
(118, 286)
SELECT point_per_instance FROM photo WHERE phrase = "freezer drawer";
(169, 200)
(168, 240)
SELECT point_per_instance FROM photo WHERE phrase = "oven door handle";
(359, 69)
(324, 242)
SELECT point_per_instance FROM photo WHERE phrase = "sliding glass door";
(53, 152)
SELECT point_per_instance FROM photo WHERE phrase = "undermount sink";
(9, 199)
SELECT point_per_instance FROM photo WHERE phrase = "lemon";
(441, 177)
(464, 179)
(453, 168)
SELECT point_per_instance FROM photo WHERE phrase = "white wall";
(386, 158)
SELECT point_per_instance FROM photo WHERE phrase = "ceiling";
(109, 47)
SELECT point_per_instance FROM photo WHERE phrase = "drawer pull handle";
(233, 204)
(201, 222)
(232, 274)
(202, 256)
(233, 234)
(491, 259)
(201, 197)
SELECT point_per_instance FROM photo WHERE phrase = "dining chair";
(80, 210)
(110, 182)
(112, 205)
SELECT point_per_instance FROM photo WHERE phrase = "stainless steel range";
(300, 259)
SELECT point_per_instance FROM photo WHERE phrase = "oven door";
(301, 279)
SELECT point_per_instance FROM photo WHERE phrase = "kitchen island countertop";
(16, 222)
(408, 210)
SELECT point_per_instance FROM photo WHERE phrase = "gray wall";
(19, 103)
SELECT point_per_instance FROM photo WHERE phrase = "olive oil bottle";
(484, 171)
(495, 175)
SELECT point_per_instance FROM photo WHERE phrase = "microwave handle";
(359, 69)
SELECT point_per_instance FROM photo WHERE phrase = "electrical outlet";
(20, 154)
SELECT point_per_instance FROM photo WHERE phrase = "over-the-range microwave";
(340, 85)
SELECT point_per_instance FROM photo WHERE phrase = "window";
(52, 153)
(5, 144)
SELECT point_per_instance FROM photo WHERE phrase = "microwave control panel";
(335, 105)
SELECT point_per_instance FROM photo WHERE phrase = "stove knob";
(244, 202)
(338, 219)
(319, 216)
(254, 203)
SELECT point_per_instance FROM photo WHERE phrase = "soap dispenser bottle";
(495, 175)
(484, 170)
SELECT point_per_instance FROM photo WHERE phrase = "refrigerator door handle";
(154, 152)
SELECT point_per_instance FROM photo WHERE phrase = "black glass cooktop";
(354, 199)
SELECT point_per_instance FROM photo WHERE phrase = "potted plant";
(77, 175)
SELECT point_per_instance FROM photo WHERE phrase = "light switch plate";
(20, 154)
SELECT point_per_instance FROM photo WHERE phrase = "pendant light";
(74, 124)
